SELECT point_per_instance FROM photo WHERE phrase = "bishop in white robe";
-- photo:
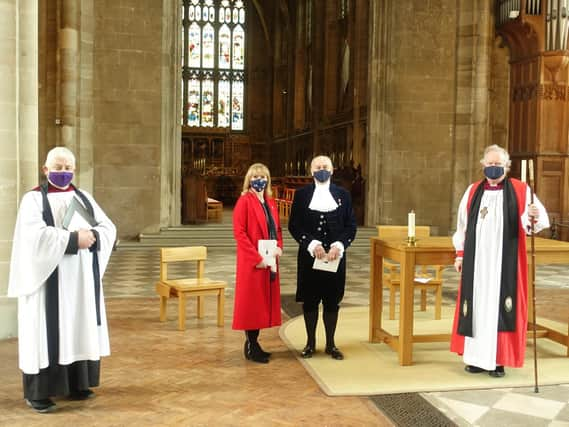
(56, 275)
(491, 314)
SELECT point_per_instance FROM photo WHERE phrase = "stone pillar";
(428, 107)
(379, 196)
(472, 125)
(75, 85)
(85, 99)
(171, 138)
(18, 130)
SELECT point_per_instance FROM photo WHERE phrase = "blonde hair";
(59, 153)
(257, 169)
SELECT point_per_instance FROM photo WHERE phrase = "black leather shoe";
(252, 355)
(307, 352)
(473, 369)
(261, 351)
(41, 405)
(81, 394)
(335, 353)
(499, 372)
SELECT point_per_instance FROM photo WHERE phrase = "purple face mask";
(60, 179)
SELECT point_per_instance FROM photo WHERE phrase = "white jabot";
(322, 200)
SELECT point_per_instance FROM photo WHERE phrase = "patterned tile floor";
(133, 271)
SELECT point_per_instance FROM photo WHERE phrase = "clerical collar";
(499, 186)
(52, 189)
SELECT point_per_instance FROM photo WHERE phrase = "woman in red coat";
(257, 287)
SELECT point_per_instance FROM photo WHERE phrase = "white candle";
(530, 164)
(524, 170)
(411, 224)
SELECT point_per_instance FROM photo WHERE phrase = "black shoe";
(307, 351)
(254, 356)
(335, 353)
(261, 351)
(81, 394)
(498, 372)
(41, 405)
(473, 369)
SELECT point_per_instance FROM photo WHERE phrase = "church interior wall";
(127, 111)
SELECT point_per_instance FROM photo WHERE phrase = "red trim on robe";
(52, 189)
(511, 345)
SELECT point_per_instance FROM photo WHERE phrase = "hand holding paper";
(268, 249)
(325, 264)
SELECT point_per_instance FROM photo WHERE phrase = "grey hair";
(328, 159)
(59, 153)
(503, 153)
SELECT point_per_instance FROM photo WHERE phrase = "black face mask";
(493, 172)
(322, 175)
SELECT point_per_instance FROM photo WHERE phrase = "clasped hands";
(332, 254)
(278, 252)
(85, 238)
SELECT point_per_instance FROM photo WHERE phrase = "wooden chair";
(391, 277)
(214, 210)
(188, 287)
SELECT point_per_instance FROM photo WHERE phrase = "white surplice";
(480, 349)
(37, 250)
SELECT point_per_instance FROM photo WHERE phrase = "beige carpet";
(370, 369)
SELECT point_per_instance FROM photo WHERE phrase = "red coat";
(511, 345)
(257, 299)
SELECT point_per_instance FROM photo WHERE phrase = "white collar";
(322, 199)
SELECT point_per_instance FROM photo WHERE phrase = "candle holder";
(411, 241)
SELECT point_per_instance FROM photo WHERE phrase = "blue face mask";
(493, 172)
(259, 184)
(322, 175)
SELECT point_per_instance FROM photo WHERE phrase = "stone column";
(68, 50)
(472, 125)
(379, 196)
(75, 85)
(171, 138)
(18, 130)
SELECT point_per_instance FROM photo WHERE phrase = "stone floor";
(282, 394)
(133, 271)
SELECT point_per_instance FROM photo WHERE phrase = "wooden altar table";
(428, 251)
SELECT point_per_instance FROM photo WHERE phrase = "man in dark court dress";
(55, 272)
(322, 221)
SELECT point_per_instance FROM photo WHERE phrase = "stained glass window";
(214, 63)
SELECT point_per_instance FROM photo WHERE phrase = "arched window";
(213, 63)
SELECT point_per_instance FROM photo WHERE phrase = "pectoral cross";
(484, 212)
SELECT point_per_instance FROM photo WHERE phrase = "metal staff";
(532, 271)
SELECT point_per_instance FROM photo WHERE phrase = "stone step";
(217, 235)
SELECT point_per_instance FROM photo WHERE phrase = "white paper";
(325, 265)
(423, 279)
(78, 222)
(267, 249)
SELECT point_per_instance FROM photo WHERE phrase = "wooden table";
(428, 251)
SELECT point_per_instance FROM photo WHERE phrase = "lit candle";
(524, 170)
(411, 224)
